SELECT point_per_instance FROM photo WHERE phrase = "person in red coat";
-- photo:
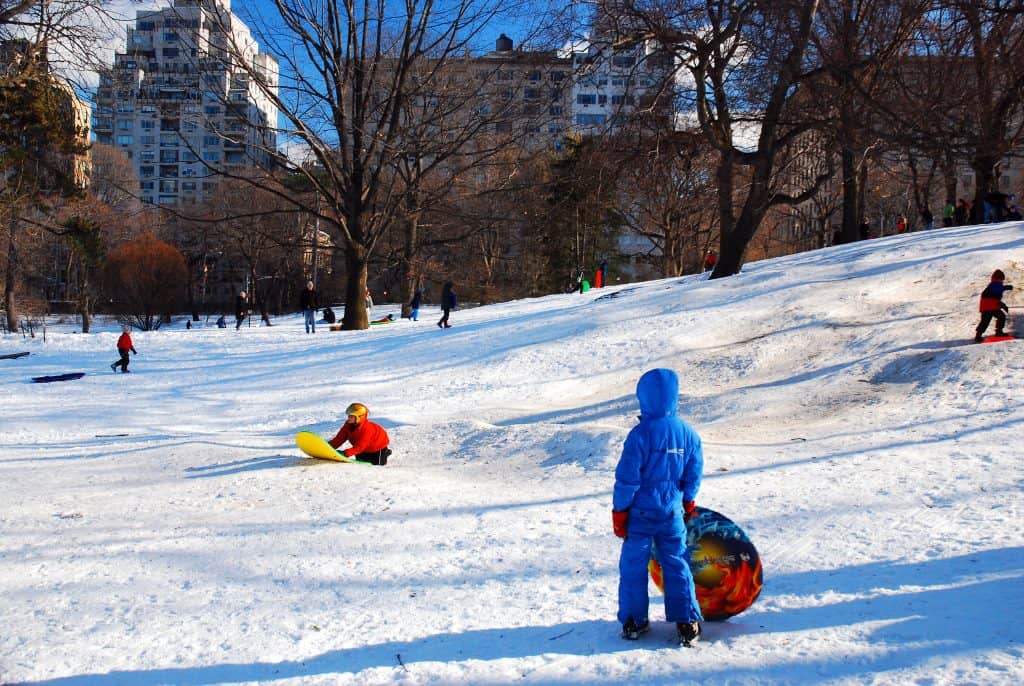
(369, 441)
(710, 260)
(124, 346)
(992, 306)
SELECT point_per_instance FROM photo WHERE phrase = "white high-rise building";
(181, 107)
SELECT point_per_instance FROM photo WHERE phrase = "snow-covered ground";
(160, 527)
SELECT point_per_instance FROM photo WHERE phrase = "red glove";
(689, 510)
(619, 520)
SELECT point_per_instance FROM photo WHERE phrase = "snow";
(160, 527)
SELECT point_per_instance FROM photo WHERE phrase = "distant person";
(710, 261)
(901, 224)
(992, 306)
(329, 315)
(414, 305)
(448, 300)
(602, 274)
(961, 212)
(864, 230)
(656, 483)
(124, 346)
(221, 323)
(188, 323)
(948, 214)
(927, 219)
(1013, 214)
(309, 303)
(369, 300)
(368, 440)
(241, 310)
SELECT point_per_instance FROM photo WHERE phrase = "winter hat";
(998, 275)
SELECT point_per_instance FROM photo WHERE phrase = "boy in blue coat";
(656, 481)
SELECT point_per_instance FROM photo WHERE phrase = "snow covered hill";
(160, 527)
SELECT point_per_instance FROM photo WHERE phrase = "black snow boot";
(689, 632)
(631, 630)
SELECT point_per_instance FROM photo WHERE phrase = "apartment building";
(613, 86)
(180, 106)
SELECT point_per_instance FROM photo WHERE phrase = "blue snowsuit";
(660, 468)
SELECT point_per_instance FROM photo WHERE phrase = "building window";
(146, 185)
(211, 141)
(146, 171)
(124, 124)
(555, 110)
(147, 124)
(531, 93)
(589, 119)
(209, 156)
(622, 100)
(168, 156)
(586, 99)
(623, 61)
(534, 76)
(148, 140)
(188, 185)
(124, 140)
(170, 52)
(147, 155)
(557, 76)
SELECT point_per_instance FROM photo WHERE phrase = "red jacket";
(367, 437)
(125, 343)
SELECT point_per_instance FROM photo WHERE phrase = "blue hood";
(658, 393)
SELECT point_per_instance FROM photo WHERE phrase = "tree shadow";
(251, 465)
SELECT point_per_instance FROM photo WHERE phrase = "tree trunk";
(10, 302)
(851, 224)
(408, 278)
(355, 317)
(736, 239)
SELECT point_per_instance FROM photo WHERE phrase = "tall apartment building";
(181, 107)
(527, 93)
(614, 85)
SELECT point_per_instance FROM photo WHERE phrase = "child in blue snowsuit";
(656, 481)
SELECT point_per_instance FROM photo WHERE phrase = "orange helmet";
(357, 410)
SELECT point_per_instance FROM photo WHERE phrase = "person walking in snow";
(414, 305)
(992, 306)
(448, 300)
(241, 310)
(656, 483)
(124, 346)
(369, 441)
(309, 303)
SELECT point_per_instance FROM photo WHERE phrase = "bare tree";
(670, 201)
(963, 84)
(746, 63)
(857, 42)
(350, 73)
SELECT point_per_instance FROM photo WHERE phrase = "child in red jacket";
(992, 306)
(124, 345)
(369, 440)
